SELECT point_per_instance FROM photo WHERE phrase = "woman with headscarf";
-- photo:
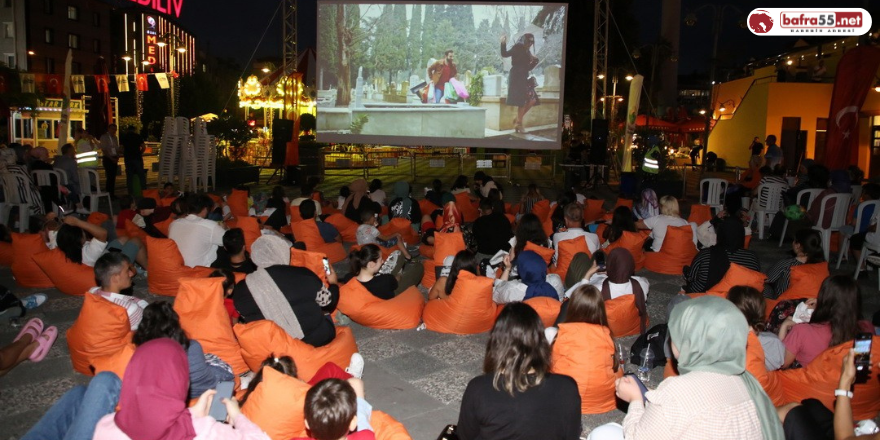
(533, 280)
(714, 397)
(648, 206)
(153, 402)
(403, 206)
(27, 191)
(710, 265)
(521, 88)
(358, 201)
(292, 297)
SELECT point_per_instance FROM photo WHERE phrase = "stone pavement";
(416, 376)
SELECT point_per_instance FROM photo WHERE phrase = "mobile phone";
(326, 265)
(862, 349)
(642, 386)
(218, 408)
(600, 261)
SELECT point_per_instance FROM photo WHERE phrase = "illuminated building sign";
(151, 36)
(170, 7)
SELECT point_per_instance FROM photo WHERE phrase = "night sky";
(232, 28)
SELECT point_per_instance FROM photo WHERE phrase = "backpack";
(656, 338)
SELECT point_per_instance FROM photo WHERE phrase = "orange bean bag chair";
(204, 318)
(164, 226)
(468, 310)
(593, 210)
(634, 242)
(295, 216)
(251, 228)
(151, 194)
(307, 232)
(623, 316)
(238, 203)
(404, 227)
(97, 218)
(567, 250)
(165, 267)
(542, 209)
(677, 252)
(24, 269)
(68, 277)
(404, 311)
(547, 309)
(739, 276)
(101, 329)
(585, 352)
(115, 363)
(467, 209)
(429, 275)
(260, 339)
(445, 244)
(167, 201)
(5, 254)
(700, 214)
(313, 261)
(427, 207)
(545, 253)
(134, 231)
(425, 250)
(805, 282)
(623, 202)
(346, 227)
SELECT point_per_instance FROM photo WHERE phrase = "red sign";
(170, 7)
(151, 37)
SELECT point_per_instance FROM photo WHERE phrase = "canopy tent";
(653, 123)
(693, 125)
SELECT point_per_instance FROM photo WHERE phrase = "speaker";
(282, 133)
(598, 142)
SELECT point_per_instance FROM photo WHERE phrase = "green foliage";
(357, 124)
(476, 90)
(232, 133)
(131, 121)
(414, 42)
(224, 163)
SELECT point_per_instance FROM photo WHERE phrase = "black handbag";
(448, 433)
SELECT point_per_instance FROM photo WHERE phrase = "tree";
(414, 42)
(389, 47)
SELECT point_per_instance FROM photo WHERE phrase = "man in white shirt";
(197, 237)
(574, 222)
(113, 271)
(110, 150)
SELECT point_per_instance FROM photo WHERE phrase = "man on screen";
(441, 72)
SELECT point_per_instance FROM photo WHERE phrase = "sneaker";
(33, 301)
(550, 334)
(356, 366)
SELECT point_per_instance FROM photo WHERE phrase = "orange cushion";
(755, 365)
(404, 311)
(404, 227)
(593, 210)
(427, 207)
(307, 232)
(134, 231)
(623, 202)
(567, 250)
(425, 250)
(542, 209)
(547, 308)
(428, 275)
(545, 253)
(260, 339)
(623, 316)
(346, 227)
(313, 261)
(387, 428)
(5, 254)
(468, 310)
(69, 277)
(805, 282)
(739, 276)
(700, 214)
(277, 391)
(165, 267)
(24, 268)
(115, 362)
(585, 352)
(467, 209)
(251, 228)
(295, 216)
(97, 218)
(204, 318)
(238, 203)
(634, 242)
(101, 329)
(677, 252)
(164, 226)
(446, 244)
(151, 194)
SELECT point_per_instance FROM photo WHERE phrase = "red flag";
(103, 82)
(141, 80)
(54, 84)
(2, 83)
(855, 76)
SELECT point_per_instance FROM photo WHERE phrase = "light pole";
(169, 39)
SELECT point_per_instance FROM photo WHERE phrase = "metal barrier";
(393, 163)
(496, 165)
(534, 168)
(427, 167)
(352, 165)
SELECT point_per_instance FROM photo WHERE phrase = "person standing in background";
(757, 148)
(133, 156)
(773, 156)
(110, 150)
(85, 145)
(696, 150)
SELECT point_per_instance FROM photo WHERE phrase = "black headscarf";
(731, 237)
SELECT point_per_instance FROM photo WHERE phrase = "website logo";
(810, 21)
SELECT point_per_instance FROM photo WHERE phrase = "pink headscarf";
(154, 392)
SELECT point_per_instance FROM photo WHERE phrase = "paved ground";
(416, 376)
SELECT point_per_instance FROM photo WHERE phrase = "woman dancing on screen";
(521, 88)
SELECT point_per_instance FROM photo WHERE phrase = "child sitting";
(228, 288)
(335, 407)
(368, 233)
(127, 211)
(233, 256)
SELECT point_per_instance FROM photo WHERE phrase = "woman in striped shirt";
(710, 265)
(807, 247)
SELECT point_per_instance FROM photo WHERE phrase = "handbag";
(449, 93)
(448, 433)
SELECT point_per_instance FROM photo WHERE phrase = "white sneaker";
(550, 334)
(356, 366)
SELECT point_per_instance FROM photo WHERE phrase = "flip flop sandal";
(34, 327)
(45, 341)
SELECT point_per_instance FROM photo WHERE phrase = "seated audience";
(870, 191)
(196, 237)
(621, 221)
(647, 206)
(358, 201)
(463, 261)
(49, 193)
(529, 230)
(517, 397)
(376, 193)
(574, 224)
(292, 297)
(169, 191)
(153, 402)
(228, 289)
(450, 220)
(404, 206)
(459, 186)
(335, 409)
(710, 265)
(750, 302)
(807, 248)
(483, 183)
(580, 264)
(77, 412)
(557, 217)
(618, 278)
(72, 240)
(308, 211)
(491, 230)
(708, 336)
(127, 210)
(368, 233)
(529, 199)
(277, 209)
(585, 305)
(435, 194)
(384, 279)
(233, 255)
(145, 217)
(669, 216)
(534, 280)
(67, 162)
(113, 271)
(32, 343)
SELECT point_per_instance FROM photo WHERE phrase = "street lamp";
(169, 39)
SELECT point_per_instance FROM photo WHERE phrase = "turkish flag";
(141, 80)
(103, 83)
(855, 76)
(54, 84)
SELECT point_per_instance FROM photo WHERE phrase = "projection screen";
(441, 74)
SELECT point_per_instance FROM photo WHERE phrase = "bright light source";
(789, 62)
(181, 49)
(722, 109)
(702, 112)
(265, 70)
(30, 52)
(145, 62)
(161, 42)
(628, 77)
(619, 99)
(126, 57)
(602, 99)
(600, 76)
(877, 89)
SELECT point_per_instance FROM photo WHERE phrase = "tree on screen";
(389, 48)
(414, 42)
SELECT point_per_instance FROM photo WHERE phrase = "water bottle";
(647, 364)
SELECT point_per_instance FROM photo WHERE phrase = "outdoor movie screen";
(441, 74)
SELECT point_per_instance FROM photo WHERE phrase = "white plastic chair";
(88, 178)
(712, 192)
(867, 249)
(856, 194)
(848, 231)
(44, 178)
(11, 199)
(810, 194)
(772, 195)
(838, 218)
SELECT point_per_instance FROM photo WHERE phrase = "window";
(8, 30)
(50, 36)
(72, 13)
(96, 19)
(48, 6)
(10, 60)
(76, 66)
(50, 65)
(96, 46)
(73, 41)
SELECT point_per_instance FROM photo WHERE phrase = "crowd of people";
(521, 248)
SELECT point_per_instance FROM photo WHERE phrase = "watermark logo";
(810, 21)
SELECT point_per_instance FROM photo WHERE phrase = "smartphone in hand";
(600, 261)
(218, 408)
(642, 386)
(862, 351)
(327, 265)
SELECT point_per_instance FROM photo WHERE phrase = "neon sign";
(151, 36)
(170, 7)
